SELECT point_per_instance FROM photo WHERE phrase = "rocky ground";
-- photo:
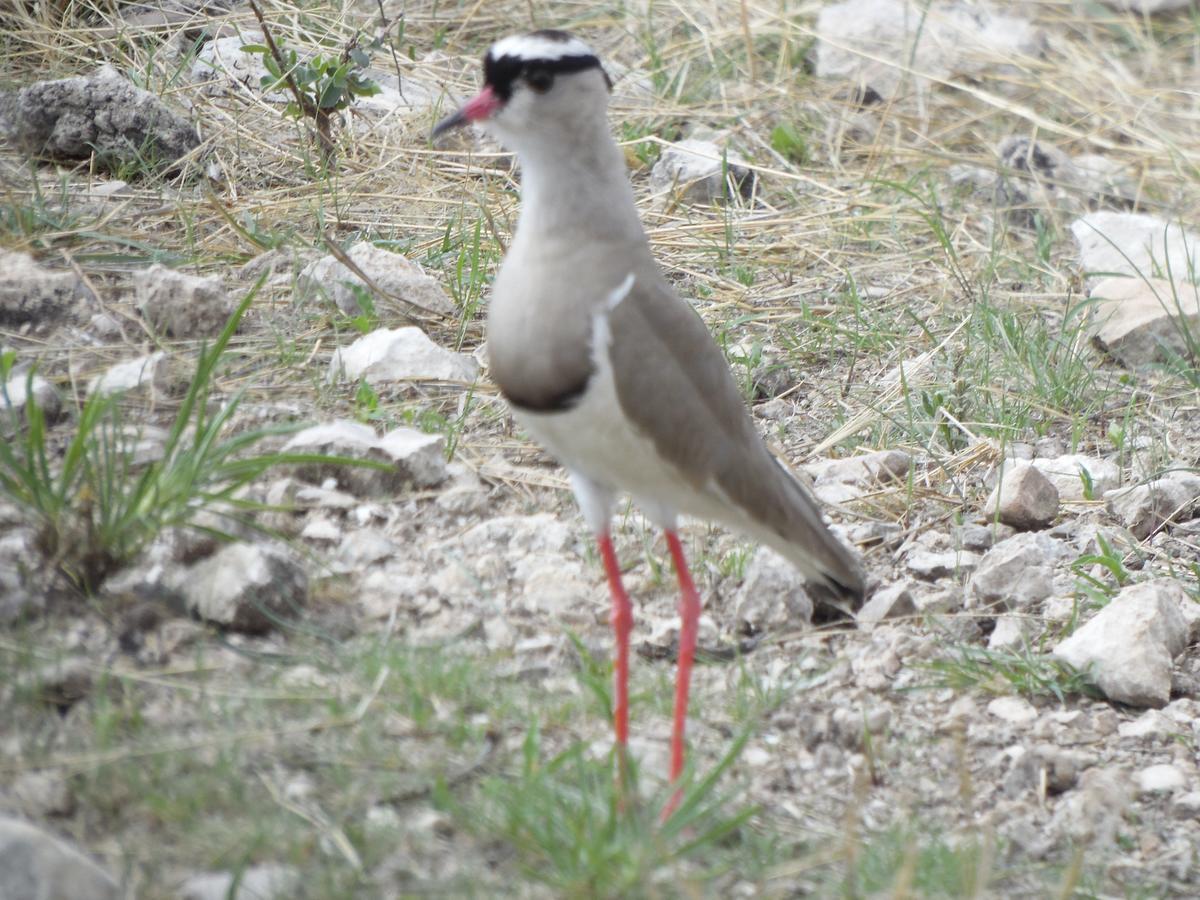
(289, 607)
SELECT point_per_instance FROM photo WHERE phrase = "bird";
(608, 368)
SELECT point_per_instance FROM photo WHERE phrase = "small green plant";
(583, 834)
(321, 86)
(1096, 587)
(1023, 671)
(97, 508)
(790, 142)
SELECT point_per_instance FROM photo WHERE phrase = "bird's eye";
(539, 79)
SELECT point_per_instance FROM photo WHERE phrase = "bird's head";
(540, 87)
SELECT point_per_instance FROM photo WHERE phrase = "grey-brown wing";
(674, 383)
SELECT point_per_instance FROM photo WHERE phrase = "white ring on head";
(531, 46)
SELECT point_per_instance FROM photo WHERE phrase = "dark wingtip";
(837, 599)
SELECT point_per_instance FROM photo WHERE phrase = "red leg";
(689, 614)
(622, 622)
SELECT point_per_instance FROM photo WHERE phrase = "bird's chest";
(539, 338)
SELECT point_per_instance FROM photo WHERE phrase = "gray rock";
(395, 283)
(1025, 498)
(1145, 508)
(1143, 321)
(421, 457)
(32, 293)
(102, 115)
(181, 305)
(1163, 778)
(144, 371)
(41, 794)
(931, 565)
(1071, 472)
(1017, 572)
(860, 40)
(414, 457)
(772, 595)
(400, 354)
(696, 171)
(245, 587)
(1130, 645)
(1092, 813)
(972, 536)
(364, 547)
(268, 881)
(1187, 806)
(893, 601)
(1134, 244)
(35, 865)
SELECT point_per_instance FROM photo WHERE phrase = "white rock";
(1025, 498)
(322, 529)
(1150, 724)
(132, 374)
(244, 587)
(407, 95)
(395, 283)
(1130, 645)
(539, 533)
(34, 865)
(1010, 632)
(1145, 508)
(400, 354)
(415, 458)
(1142, 321)
(870, 42)
(1135, 244)
(1014, 710)
(262, 882)
(696, 170)
(841, 480)
(772, 595)
(893, 601)
(16, 392)
(1066, 474)
(223, 65)
(1017, 572)
(1160, 779)
(556, 585)
(179, 304)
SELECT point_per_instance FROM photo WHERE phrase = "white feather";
(531, 47)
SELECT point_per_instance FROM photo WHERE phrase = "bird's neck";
(578, 186)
